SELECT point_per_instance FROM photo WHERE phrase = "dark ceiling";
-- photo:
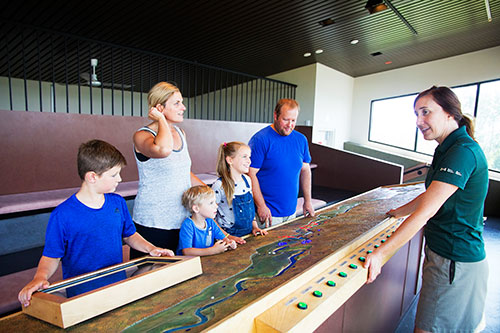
(266, 37)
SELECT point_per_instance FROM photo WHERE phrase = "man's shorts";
(276, 220)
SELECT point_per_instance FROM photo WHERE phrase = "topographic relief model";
(234, 279)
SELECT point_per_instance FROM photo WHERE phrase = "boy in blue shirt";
(85, 232)
(199, 233)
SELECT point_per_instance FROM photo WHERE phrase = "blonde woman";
(164, 167)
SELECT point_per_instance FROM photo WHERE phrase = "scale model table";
(293, 279)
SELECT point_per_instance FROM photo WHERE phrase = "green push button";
(376, 245)
(353, 266)
(330, 283)
(362, 259)
(383, 240)
(317, 293)
(369, 251)
(389, 236)
(342, 274)
(302, 305)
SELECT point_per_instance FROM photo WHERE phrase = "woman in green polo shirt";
(455, 270)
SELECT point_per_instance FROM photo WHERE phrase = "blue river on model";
(268, 261)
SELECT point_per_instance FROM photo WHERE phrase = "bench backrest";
(39, 148)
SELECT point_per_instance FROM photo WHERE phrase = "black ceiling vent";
(374, 54)
(326, 22)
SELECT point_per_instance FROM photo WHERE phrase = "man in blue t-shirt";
(280, 161)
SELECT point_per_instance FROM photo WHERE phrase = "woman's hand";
(373, 263)
(396, 213)
(155, 114)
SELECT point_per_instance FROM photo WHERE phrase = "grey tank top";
(161, 184)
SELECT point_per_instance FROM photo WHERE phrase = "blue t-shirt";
(88, 239)
(191, 236)
(279, 160)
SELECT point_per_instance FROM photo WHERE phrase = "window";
(487, 122)
(392, 120)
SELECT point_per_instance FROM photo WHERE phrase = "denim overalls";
(244, 213)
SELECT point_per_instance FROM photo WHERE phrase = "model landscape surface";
(235, 279)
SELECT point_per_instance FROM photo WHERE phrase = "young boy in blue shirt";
(85, 232)
(199, 233)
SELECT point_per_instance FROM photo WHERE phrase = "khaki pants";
(451, 300)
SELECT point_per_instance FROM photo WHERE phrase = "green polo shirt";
(456, 231)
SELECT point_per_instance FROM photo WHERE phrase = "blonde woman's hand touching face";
(155, 114)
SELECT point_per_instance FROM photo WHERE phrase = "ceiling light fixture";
(318, 51)
(354, 41)
(488, 10)
(307, 54)
(375, 6)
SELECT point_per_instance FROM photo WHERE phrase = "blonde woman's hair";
(195, 195)
(160, 93)
(223, 170)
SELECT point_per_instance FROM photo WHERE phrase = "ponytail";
(223, 169)
(469, 124)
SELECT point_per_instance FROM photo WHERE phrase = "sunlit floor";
(492, 241)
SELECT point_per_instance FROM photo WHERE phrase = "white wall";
(330, 100)
(332, 106)
(467, 68)
(305, 79)
(75, 103)
(251, 101)
(325, 98)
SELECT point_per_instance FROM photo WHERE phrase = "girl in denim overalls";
(233, 191)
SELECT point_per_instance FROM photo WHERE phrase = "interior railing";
(48, 71)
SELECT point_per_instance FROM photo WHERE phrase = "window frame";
(415, 143)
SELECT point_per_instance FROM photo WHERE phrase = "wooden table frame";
(65, 312)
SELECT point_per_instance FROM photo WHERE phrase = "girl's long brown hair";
(223, 169)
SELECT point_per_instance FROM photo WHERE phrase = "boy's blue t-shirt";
(88, 239)
(191, 236)
(279, 160)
